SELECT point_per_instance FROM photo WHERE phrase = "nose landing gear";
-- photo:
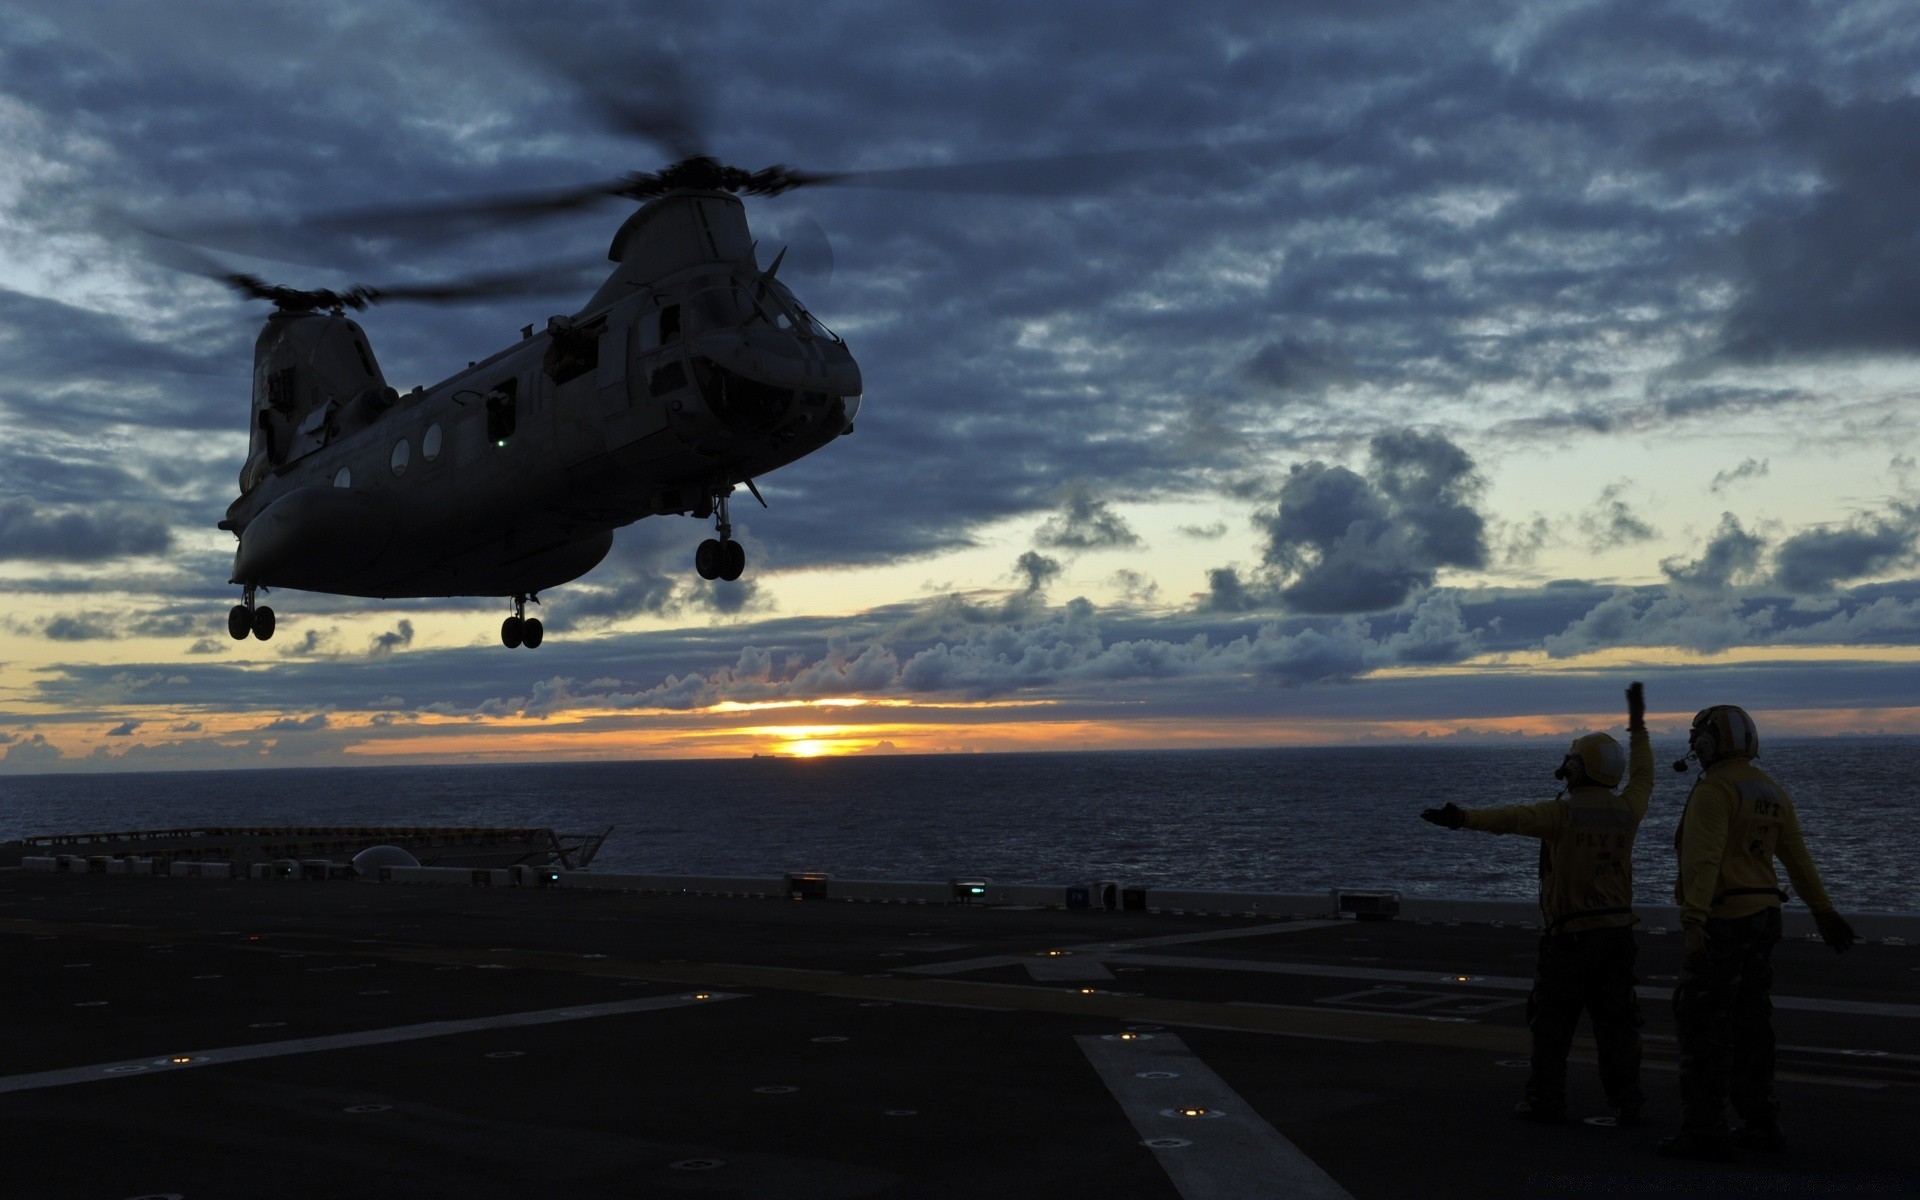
(520, 629)
(248, 618)
(721, 558)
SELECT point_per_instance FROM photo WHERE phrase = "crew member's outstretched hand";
(1834, 931)
(1636, 705)
(1451, 817)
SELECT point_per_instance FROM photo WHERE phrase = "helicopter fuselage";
(691, 370)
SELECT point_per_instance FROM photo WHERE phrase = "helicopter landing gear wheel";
(247, 618)
(709, 558)
(722, 557)
(520, 629)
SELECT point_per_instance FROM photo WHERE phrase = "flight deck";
(201, 1037)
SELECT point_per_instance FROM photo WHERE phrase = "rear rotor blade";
(1080, 174)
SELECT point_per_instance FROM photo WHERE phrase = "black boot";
(1541, 1112)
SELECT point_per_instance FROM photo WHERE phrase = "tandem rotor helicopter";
(690, 372)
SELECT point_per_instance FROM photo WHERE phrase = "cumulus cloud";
(397, 638)
(1611, 522)
(32, 753)
(1732, 556)
(1749, 468)
(1342, 542)
(1038, 570)
(1084, 523)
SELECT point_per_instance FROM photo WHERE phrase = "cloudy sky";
(1443, 367)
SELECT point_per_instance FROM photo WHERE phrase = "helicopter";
(690, 372)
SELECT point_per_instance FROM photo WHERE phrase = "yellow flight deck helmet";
(1723, 731)
(1600, 757)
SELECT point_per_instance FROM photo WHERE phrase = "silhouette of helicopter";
(688, 373)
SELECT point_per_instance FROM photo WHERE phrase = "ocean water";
(1297, 819)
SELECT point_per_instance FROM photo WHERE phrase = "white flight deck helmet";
(1723, 731)
(1599, 756)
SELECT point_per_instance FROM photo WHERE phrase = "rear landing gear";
(520, 629)
(721, 558)
(248, 618)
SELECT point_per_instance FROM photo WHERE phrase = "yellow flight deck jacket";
(1586, 845)
(1737, 821)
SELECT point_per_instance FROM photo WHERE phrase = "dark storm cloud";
(1134, 334)
(1836, 271)
(1816, 560)
(1084, 523)
(1340, 542)
(1298, 369)
(71, 534)
(1529, 199)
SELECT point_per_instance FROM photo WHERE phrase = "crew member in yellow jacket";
(1737, 821)
(1587, 947)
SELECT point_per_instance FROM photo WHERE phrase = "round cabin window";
(399, 460)
(343, 478)
(430, 444)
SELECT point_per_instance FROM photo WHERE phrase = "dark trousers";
(1724, 1011)
(1590, 971)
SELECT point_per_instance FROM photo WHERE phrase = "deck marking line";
(1235, 1156)
(1214, 935)
(156, 1064)
(1860, 1008)
(1068, 967)
(1106, 948)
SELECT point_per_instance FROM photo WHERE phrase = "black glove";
(1834, 931)
(1452, 816)
(1636, 706)
(1695, 946)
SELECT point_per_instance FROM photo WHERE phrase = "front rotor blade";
(641, 90)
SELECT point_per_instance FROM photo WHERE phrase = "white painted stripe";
(1859, 1008)
(1105, 949)
(1212, 935)
(158, 1064)
(1319, 970)
(1073, 966)
(1233, 1156)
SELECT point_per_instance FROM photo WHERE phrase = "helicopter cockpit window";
(343, 478)
(670, 324)
(789, 314)
(720, 308)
